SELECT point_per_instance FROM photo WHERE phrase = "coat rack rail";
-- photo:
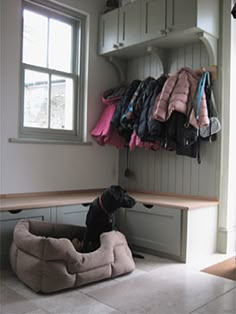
(212, 69)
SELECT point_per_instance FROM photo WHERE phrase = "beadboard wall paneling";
(164, 171)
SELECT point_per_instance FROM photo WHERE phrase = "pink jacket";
(103, 132)
(176, 95)
(136, 142)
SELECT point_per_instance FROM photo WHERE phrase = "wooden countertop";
(52, 199)
(40, 200)
(174, 201)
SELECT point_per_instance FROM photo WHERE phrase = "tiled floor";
(157, 286)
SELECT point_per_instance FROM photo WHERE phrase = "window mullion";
(48, 43)
(74, 50)
(49, 100)
(49, 71)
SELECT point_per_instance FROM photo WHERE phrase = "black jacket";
(131, 117)
(151, 130)
(122, 107)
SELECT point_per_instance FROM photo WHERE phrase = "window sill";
(44, 141)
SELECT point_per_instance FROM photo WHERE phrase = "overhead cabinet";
(143, 21)
(108, 31)
(120, 28)
(162, 17)
(153, 22)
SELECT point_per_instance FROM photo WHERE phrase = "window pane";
(36, 99)
(61, 103)
(35, 39)
(60, 49)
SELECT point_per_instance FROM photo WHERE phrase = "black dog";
(100, 217)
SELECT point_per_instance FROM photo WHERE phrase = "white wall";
(1, 122)
(44, 167)
(232, 153)
(227, 209)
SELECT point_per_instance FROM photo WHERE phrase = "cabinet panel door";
(129, 24)
(155, 228)
(8, 220)
(181, 14)
(73, 214)
(153, 19)
(108, 28)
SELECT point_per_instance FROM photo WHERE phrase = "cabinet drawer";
(155, 228)
(74, 214)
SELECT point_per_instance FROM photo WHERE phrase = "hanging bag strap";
(214, 111)
(198, 94)
(200, 90)
(214, 123)
(191, 106)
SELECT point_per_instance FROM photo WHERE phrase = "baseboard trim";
(226, 240)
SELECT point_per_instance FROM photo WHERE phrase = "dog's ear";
(116, 192)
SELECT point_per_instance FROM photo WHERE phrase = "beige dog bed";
(44, 258)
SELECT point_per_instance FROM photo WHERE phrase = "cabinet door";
(108, 28)
(8, 220)
(73, 214)
(153, 20)
(181, 15)
(155, 228)
(129, 24)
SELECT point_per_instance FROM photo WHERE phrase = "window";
(53, 44)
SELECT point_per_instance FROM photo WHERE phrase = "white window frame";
(78, 22)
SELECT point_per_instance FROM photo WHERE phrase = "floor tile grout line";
(217, 297)
(115, 309)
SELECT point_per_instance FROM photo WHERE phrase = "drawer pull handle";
(86, 204)
(15, 211)
(148, 205)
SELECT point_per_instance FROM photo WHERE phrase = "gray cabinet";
(181, 15)
(72, 214)
(184, 235)
(163, 17)
(185, 14)
(108, 32)
(120, 28)
(8, 221)
(153, 21)
(129, 24)
(148, 21)
(155, 228)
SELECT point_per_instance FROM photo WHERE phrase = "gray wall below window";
(45, 167)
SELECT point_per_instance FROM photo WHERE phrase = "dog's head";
(115, 197)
